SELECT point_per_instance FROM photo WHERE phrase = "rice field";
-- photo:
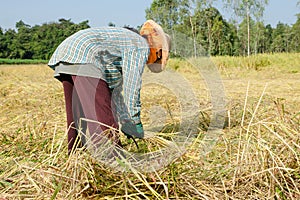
(257, 155)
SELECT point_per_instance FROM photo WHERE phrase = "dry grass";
(256, 157)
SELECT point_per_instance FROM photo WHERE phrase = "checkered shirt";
(120, 54)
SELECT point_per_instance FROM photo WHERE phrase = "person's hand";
(131, 129)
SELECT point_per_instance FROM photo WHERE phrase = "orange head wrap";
(159, 44)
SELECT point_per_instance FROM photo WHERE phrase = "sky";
(119, 12)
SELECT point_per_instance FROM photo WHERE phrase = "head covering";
(159, 44)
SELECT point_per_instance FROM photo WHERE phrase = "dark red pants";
(88, 98)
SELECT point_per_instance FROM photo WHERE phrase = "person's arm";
(120, 110)
(134, 61)
(128, 106)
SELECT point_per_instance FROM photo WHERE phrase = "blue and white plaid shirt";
(120, 54)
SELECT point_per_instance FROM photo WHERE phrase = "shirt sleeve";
(134, 61)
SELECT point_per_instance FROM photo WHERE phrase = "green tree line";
(196, 19)
(37, 42)
(201, 21)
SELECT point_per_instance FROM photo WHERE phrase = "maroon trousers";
(88, 98)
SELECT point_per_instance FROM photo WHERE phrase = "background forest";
(244, 35)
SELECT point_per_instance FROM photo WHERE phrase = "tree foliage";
(206, 27)
(37, 42)
(247, 9)
(195, 26)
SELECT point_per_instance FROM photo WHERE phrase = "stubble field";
(257, 155)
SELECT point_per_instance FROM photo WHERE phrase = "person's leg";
(104, 111)
(95, 98)
(73, 110)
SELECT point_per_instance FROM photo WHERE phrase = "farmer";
(101, 73)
